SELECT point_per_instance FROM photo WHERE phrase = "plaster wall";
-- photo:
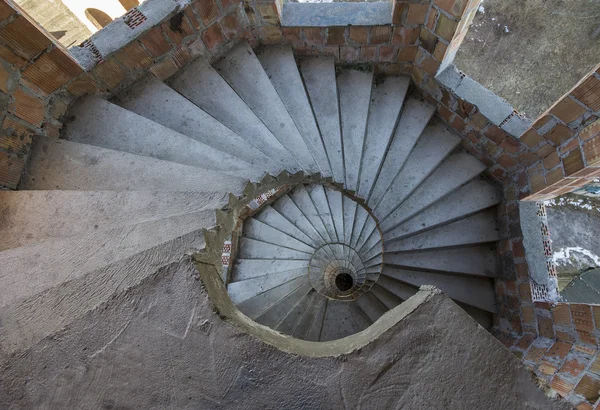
(161, 345)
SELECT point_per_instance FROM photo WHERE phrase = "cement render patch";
(161, 345)
(336, 14)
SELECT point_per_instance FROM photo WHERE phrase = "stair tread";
(477, 260)
(64, 165)
(252, 268)
(287, 207)
(318, 74)
(354, 88)
(313, 333)
(255, 229)
(244, 73)
(413, 119)
(467, 200)
(310, 314)
(289, 323)
(436, 143)
(341, 320)
(455, 171)
(260, 303)
(156, 101)
(281, 68)
(256, 249)
(273, 316)
(201, 84)
(35, 216)
(384, 112)
(41, 266)
(103, 124)
(477, 292)
(386, 297)
(242, 290)
(273, 218)
(319, 197)
(371, 306)
(304, 202)
(476, 229)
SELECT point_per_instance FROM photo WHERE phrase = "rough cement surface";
(161, 346)
(574, 224)
(531, 52)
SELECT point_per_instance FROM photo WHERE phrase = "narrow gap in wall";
(531, 53)
(71, 22)
(574, 227)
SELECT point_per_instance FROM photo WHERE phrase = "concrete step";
(257, 305)
(478, 260)
(35, 216)
(413, 119)
(476, 292)
(313, 333)
(342, 319)
(158, 102)
(386, 297)
(401, 290)
(253, 268)
(454, 172)
(335, 199)
(273, 218)
(277, 313)
(434, 146)
(291, 321)
(35, 268)
(349, 209)
(476, 229)
(371, 306)
(319, 198)
(254, 249)
(246, 289)
(100, 123)
(304, 202)
(310, 314)
(255, 229)
(286, 207)
(367, 235)
(475, 196)
(26, 321)
(384, 112)
(201, 84)
(244, 73)
(319, 78)
(281, 68)
(64, 165)
(485, 319)
(359, 225)
(354, 89)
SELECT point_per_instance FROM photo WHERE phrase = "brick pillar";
(444, 24)
(265, 18)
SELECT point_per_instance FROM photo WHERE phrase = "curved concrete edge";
(224, 307)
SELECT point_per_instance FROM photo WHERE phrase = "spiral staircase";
(388, 202)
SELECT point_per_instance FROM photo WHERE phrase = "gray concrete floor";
(531, 52)
(574, 223)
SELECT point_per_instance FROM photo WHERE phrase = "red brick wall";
(32, 67)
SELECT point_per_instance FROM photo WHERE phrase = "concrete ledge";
(336, 14)
(217, 294)
(495, 108)
(117, 34)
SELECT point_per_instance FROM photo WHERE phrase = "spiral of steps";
(133, 185)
